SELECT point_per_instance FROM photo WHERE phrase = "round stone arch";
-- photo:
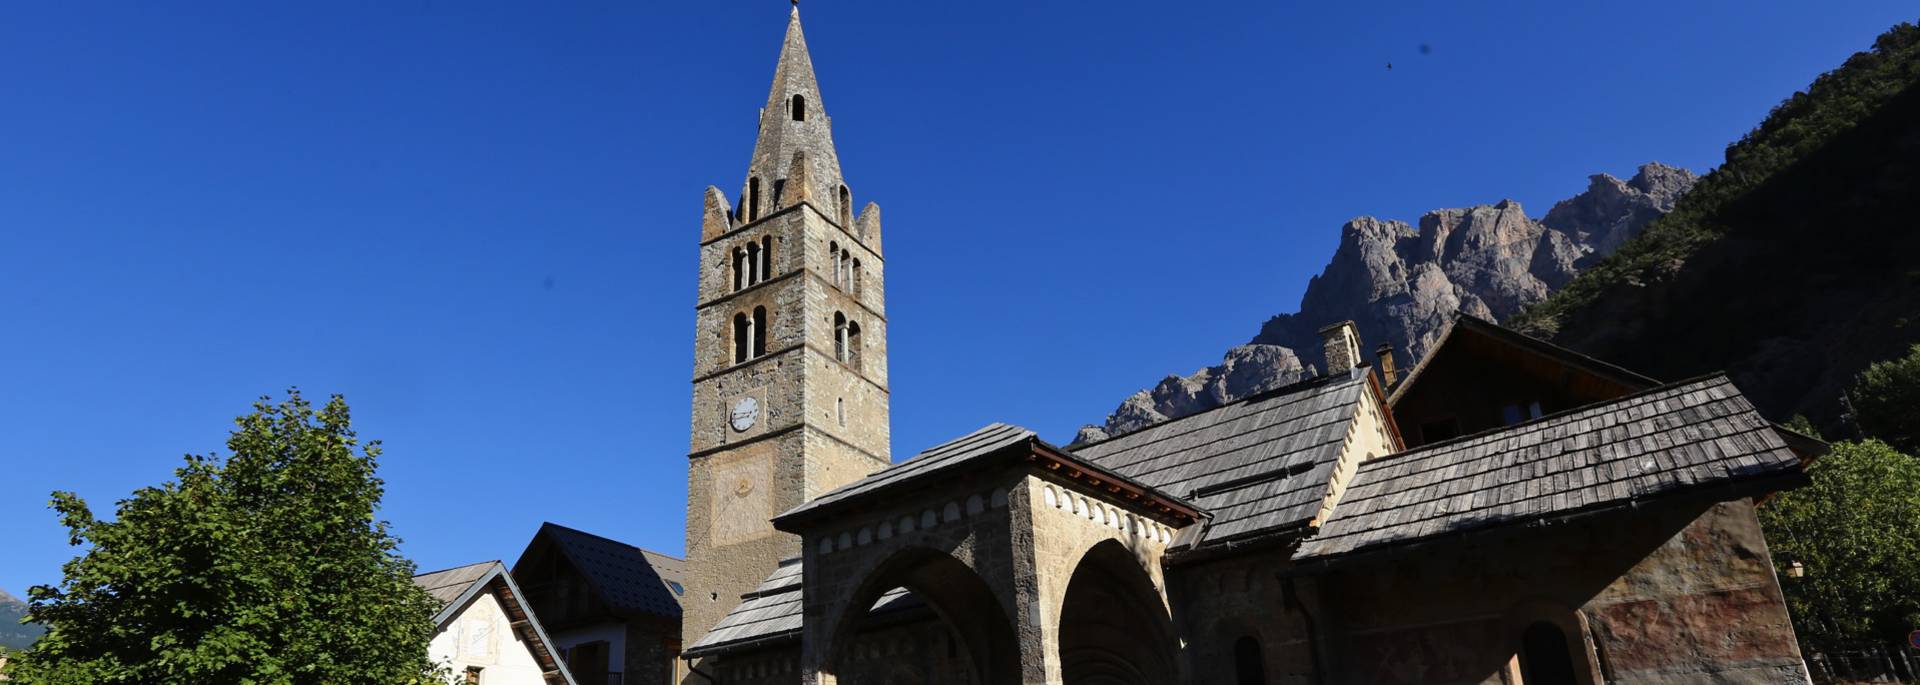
(1526, 618)
(961, 599)
(1114, 625)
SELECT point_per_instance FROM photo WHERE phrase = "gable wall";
(481, 635)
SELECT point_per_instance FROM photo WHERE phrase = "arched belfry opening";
(980, 643)
(1545, 656)
(1114, 627)
(799, 108)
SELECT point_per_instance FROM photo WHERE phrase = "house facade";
(612, 609)
(485, 634)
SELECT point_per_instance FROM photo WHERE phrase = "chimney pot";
(1387, 375)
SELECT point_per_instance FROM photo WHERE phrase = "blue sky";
(478, 221)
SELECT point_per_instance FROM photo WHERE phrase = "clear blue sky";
(478, 220)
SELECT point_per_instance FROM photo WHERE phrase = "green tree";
(265, 567)
(1886, 401)
(1856, 529)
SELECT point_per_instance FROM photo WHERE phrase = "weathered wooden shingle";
(935, 461)
(1670, 439)
(772, 614)
(1257, 465)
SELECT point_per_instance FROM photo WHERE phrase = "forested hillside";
(1793, 265)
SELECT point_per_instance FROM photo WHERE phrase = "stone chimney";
(1342, 347)
(1385, 352)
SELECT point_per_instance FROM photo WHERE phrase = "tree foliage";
(267, 566)
(1856, 530)
(1886, 401)
(1795, 129)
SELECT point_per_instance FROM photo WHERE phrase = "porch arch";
(958, 596)
(1114, 625)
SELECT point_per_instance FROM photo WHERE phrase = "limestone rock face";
(1401, 284)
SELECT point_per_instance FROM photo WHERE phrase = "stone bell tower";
(790, 351)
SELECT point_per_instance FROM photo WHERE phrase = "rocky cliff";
(1400, 285)
(14, 635)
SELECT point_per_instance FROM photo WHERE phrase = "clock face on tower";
(744, 413)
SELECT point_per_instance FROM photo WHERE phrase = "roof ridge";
(1264, 394)
(456, 568)
(1547, 418)
(570, 529)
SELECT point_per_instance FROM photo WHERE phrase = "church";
(1505, 511)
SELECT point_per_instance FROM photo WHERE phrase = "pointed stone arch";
(1114, 624)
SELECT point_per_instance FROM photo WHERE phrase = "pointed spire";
(794, 121)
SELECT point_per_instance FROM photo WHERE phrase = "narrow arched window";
(799, 108)
(753, 198)
(853, 344)
(846, 207)
(1248, 666)
(759, 331)
(753, 263)
(739, 268)
(742, 337)
(841, 274)
(839, 337)
(766, 257)
(853, 278)
(1544, 657)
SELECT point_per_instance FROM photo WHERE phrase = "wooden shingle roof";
(1685, 437)
(1259, 465)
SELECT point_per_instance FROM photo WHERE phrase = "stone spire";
(793, 124)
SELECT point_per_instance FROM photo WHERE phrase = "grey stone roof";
(448, 585)
(629, 579)
(1680, 437)
(935, 461)
(772, 613)
(1258, 465)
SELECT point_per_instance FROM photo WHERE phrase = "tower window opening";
(846, 207)
(742, 337)
(753, 264)
(799, 108)
(839, 337)
(766, 257)
(759, 331)
(739, 268)
(853, 344)
(753, 198)
(840, 410)
(853, 278)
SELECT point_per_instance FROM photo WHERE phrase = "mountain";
(1791, 266)
(13, 635)
(1401, 284)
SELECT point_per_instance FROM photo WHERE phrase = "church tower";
(790, 354)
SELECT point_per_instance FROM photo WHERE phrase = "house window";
(1248, 667)
(1544, 657)
(473, 675)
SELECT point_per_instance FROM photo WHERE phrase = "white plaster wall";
(481, 635)
(614, 634)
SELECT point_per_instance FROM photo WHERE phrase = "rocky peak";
(1401, 285)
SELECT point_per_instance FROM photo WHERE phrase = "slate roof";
(629, 579)
(1258, 465)
(1684, 436)
(773, 613)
